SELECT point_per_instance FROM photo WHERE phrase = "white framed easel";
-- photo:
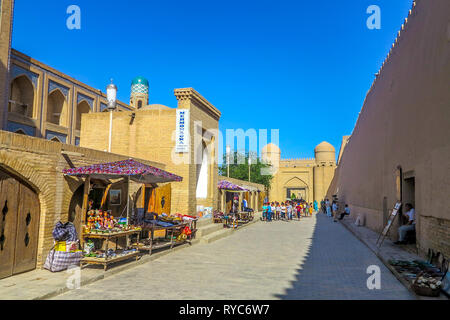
(391, 220)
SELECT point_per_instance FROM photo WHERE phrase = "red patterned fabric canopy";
(227, 185)
(137, 172)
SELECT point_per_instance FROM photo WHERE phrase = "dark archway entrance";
(19, 225)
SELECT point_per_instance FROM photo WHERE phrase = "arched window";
(55, 139)
(57, 108)
(83, 107)
(21, 98)
(20, 131)
(139, 104)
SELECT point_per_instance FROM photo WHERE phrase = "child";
(278, 209)
(266, 209)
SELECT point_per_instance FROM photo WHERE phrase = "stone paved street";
(311, 259)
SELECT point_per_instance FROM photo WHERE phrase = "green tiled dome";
(139, 85)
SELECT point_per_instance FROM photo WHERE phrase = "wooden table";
(110, 236)
(169, 230)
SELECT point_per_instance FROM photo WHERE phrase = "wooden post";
(105, 195)
(87, 184)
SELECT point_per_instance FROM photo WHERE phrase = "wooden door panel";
(9, 189)
(163, 195)
(27, 230)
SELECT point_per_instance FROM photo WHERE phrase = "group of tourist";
(288, 210)
(291, 209)
(331, 209)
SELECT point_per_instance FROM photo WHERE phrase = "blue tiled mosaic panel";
(49, 135)
(13, 127)
(53, 85)
(18, 71)
(89, 100)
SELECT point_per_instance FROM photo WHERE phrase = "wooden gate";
(19, 226)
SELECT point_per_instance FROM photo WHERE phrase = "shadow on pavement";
(335, 267)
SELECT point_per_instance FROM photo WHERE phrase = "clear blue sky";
(303, 67)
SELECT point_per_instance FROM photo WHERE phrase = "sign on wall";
(182, 131)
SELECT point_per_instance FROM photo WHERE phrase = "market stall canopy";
(227, 185)
(133, 169)
(251, 189)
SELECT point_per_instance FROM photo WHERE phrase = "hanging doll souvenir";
(91, 222)
(105, 219)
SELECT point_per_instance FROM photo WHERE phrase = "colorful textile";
(129, 167)
(60, 261)
(65, 232)
(227, 185)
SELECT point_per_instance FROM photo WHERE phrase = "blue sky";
(303, 67)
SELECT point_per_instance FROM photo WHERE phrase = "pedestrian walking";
(283, 211)
(289, 210)
(278, 211)
(328, 207)
(335, 210)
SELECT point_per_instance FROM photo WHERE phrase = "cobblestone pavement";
(309, 259)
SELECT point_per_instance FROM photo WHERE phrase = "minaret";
(324, 169)
(139, 92)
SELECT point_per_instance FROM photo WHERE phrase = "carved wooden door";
(19, 226)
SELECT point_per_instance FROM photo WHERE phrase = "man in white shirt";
(289, 210)
(410, 226)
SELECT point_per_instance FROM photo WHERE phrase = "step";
(227, 231)
(208, 229)
(204, 222)
(217, 235)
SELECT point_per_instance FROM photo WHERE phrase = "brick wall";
(436, 235)
(5, 42)
(151, 135)
(405, 123)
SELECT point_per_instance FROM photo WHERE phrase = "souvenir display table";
(108, 258)
(102, 226)
(174, 234)
(247, 216)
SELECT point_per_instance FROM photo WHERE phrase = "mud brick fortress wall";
(400, 146)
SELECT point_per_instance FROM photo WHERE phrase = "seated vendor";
(244, 205)
(410, 226)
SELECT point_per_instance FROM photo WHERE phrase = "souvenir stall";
(160, 229)
(101, 228)
(231, 218)
(164, 231)
(249, 196)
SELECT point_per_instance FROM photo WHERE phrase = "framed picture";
(115, 197)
